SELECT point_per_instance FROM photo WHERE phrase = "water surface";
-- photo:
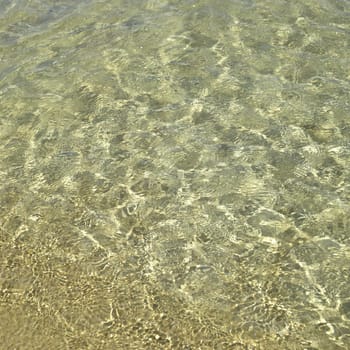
(175, 174)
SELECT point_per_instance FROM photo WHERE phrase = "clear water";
(175, 174)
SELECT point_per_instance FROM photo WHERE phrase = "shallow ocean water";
(175, 174)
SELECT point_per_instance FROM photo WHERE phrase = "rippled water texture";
(175, 174)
